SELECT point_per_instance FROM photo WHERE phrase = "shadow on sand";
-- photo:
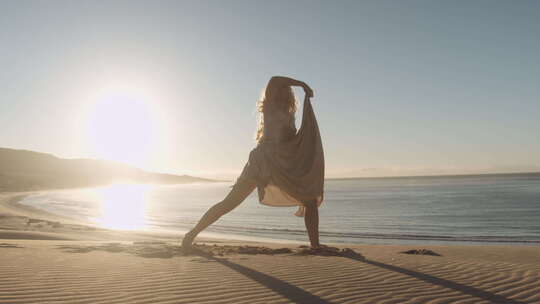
(287, 290)
(7, 245)
(298, 295)
(472, 291)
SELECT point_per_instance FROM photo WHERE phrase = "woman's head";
(281, 97)
(278, 98)
(275, 98)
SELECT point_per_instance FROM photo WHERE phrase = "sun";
(122, 127)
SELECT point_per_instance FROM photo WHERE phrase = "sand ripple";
(73, 272)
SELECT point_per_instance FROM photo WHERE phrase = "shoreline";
(15, 218)
(238, 234)
(50, 260)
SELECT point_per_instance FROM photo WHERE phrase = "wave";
(355, 237)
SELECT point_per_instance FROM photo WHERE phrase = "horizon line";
(435, 175)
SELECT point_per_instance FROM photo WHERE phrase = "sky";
(401, 87)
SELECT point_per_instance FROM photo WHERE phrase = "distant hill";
(22, 170)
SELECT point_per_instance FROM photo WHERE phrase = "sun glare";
(122, 127)
(123, 206)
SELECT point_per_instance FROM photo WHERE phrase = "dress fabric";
(288, 166)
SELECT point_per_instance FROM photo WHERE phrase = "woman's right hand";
(307, 90)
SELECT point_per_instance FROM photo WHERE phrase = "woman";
(287, 166)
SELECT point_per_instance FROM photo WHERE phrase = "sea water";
(446, 209)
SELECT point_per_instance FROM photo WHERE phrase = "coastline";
(53, 259)
(286, 234)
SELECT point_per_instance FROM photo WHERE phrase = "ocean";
(474, 209)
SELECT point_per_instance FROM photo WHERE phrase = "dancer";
(286, 166)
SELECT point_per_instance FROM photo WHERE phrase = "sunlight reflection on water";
(122, 206)
(476, 209)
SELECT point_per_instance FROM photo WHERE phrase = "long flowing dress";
(288, 166)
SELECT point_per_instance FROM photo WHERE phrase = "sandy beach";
(45, 258)
(311, 152)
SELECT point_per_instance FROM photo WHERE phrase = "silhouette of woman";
(286, 166)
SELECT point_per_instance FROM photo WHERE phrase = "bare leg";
(237, 195)
(311, 220)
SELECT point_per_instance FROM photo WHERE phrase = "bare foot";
(321, 250)
(187, 241)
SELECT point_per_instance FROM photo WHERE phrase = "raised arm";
(281, 81)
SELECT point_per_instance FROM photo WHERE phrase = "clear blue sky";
(401, 87)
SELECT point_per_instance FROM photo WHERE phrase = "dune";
(64, 262)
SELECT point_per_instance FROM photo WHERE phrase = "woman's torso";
(278, 125)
